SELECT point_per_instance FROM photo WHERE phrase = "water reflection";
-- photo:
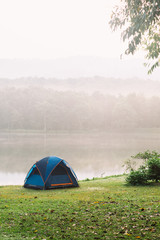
(11, 178)
(90, 154)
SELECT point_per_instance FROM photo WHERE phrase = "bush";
(149, 171)
(138, 177)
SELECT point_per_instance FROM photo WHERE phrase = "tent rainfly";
(49, 173)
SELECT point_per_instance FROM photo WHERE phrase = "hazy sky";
(57, 28)
(61, 29)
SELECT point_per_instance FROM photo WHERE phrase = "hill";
(112, 86)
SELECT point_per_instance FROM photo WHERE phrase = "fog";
(93, 123)
(78, 104)
(78, 67)
(90, 153)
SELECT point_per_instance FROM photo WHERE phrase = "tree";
(140, 24)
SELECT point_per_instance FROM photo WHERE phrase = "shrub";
(138, 177)
(148, 171)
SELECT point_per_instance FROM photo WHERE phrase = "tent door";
(59, 177)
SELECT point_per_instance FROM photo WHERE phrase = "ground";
(99, 209)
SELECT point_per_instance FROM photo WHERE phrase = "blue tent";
(50, 172)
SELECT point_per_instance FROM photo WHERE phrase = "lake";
(91, 154)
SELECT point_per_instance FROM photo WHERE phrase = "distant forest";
(41, 106)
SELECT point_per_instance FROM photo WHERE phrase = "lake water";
(91, 154)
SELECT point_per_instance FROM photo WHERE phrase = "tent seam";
(40, 173)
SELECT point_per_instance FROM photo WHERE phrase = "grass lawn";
(98, 209)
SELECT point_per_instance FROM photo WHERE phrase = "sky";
(48, 29)
(58, 29)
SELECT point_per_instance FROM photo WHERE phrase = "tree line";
(38, 108)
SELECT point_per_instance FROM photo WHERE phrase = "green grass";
(99, 209)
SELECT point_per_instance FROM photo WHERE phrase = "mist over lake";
(91, 154)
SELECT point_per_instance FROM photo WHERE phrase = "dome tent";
(50, 172)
